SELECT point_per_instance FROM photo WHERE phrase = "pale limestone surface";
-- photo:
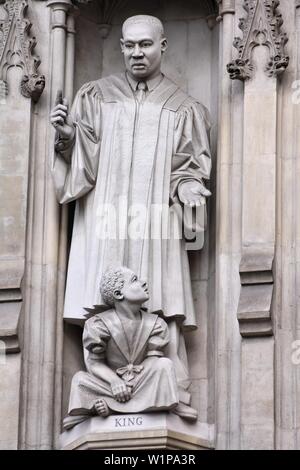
(139, 431)
(9, 399)
(257, 413)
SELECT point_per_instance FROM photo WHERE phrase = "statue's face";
(142, 47)
(134, 290)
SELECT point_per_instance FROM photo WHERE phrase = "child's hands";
(120, 390)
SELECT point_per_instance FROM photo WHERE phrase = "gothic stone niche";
(16, 50)
(108, 9)
(160, 97)
(262, 26)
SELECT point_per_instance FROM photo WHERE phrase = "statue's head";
(123, 285)
(142, 45)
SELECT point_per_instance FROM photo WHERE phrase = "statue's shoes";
(101, 408)
(185, 412)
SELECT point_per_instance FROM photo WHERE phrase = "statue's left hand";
(193, 193)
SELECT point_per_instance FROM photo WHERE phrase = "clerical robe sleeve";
(75, 162)
(95, 337)
(191, 156)
(158, 339)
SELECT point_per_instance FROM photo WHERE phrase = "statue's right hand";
(120, 391)
(62, 121)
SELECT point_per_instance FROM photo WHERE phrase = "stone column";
(228, 215)
(64, 219)
(20, 92)
(286, 304)
(258, 249)
(70, 54)
(45, 273)
(261, 58)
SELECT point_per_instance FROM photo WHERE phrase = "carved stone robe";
(126, 161)
(105, 339)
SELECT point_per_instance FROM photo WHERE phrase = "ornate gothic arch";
(108, 8)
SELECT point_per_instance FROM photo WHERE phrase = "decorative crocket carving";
(262, 26)
(16, 49)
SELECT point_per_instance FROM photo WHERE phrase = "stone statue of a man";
(127, 371)
(133, 140)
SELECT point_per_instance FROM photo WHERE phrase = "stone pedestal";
(138, 431)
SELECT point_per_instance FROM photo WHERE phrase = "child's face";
(134, 290)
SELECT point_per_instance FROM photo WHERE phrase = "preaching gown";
(105, 339)
(123, 169)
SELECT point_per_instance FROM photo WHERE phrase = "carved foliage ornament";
(262, 26)
(16, 49)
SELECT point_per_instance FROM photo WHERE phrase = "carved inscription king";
(128, 421)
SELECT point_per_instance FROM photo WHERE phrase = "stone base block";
(139, 431)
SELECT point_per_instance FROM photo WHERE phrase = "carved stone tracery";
(262, 26)
(17, 49)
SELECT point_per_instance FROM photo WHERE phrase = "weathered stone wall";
(257, 380)
(21, 121)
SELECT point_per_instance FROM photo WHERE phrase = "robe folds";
(153, 385)
(123, 169)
